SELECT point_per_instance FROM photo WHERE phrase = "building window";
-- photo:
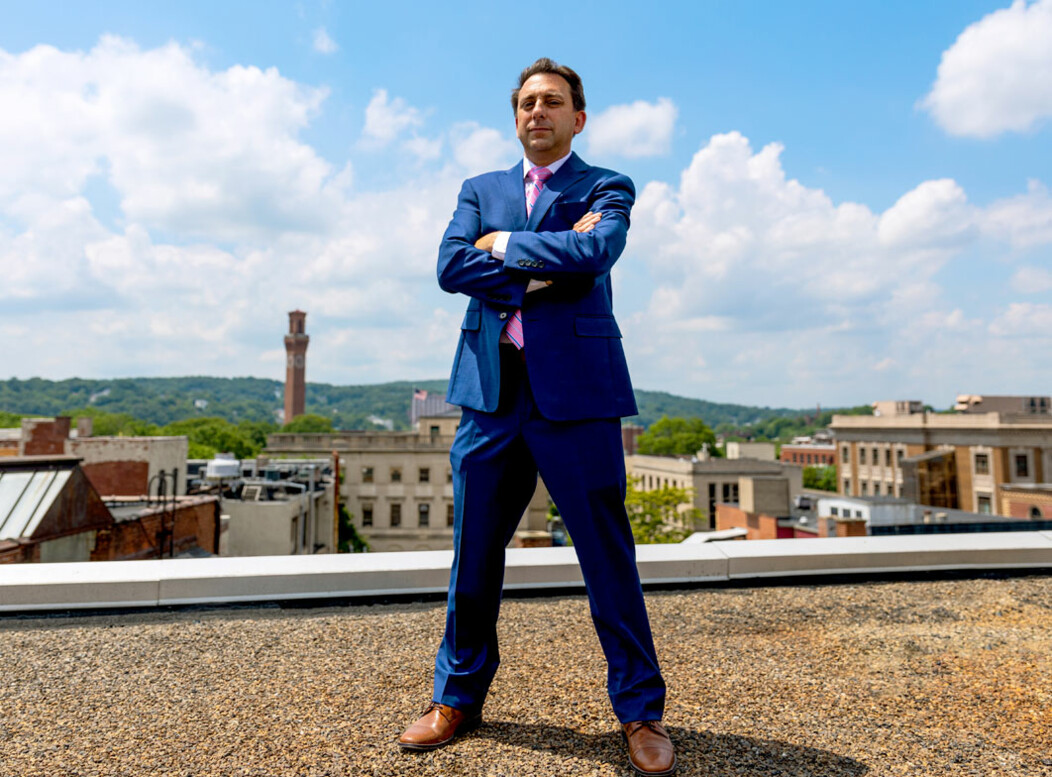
(845, 455)
(861, 455)
(876, 457)
(1022, 465)
(449, 514)
(864, 488)
(396, 474)
(367, 515)
(449, 476)
(425, 475)
(367, 474)
(887, 457)
(1035, 513)
(847, 486)
(982, 464)
(834, 511)
(900, 453)
(423, 511)
(396, 514)
(985, 504)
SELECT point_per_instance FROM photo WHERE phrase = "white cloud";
(424, 149)
(226, 220)
(638, 129)
(189, 150)
(997, 76)
(1032, 280)
(386, 119)
(936, 214)
(323, 44)
(774, 285)
(1024, 220)
(478, 149)
(1024, 320)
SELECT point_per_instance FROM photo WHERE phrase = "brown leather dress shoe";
(437, 727)
(649, 748)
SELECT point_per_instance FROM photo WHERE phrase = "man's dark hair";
(545, 65)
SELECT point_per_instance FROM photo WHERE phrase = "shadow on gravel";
(697, 752)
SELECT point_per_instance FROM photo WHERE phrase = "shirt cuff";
(500, 245)
(535, 285)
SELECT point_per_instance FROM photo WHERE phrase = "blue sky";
(838, 202)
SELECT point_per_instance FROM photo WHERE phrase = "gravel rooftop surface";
(933, 677)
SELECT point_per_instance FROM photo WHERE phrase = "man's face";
(545, 120)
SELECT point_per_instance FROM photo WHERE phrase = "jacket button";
(522, 263)
(503, 316)
(540, 264)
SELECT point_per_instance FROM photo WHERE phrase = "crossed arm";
(586, 223)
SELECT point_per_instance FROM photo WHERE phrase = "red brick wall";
(119, 478)
(195, 526)
(758, 525)
(44, 437)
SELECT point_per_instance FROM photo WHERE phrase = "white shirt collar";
(527, 165)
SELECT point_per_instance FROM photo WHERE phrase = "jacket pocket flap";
(472, 320)
(596, 326)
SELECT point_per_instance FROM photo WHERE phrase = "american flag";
(419, 394)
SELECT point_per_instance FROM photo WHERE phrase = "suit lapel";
(515, 193)
(573, 170)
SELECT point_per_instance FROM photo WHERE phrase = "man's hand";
(587, 222)
(485, 243)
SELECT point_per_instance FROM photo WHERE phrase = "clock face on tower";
(299, 360)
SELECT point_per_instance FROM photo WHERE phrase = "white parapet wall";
(217, 581)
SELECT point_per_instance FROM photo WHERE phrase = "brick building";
(51, 512)
(959, 460)
(116, 466)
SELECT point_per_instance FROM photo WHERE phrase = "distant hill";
(164, 400)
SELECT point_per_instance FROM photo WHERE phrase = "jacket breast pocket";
(472, 321)
(596, 326)
(568, 212)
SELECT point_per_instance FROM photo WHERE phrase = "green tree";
(10, 420)
(209, 436)
(108, 424)
(677, 436)
(822, 478)
(308, 424)
(350, 541)
(256, 432)
(655, 514)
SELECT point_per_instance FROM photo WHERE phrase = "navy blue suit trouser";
(496, 458)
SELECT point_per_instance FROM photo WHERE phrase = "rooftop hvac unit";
(223, 467)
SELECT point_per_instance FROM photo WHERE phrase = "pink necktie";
(535, 179)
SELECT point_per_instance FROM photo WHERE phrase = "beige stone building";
(398, 486)
(959, 460)
(710, 480)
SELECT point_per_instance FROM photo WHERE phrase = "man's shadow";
(697, 752)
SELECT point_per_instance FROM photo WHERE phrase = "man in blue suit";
(541, 376)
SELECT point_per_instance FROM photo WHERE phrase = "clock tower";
(295, 365)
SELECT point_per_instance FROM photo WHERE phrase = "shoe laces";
(434, 705)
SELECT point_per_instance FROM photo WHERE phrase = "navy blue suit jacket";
(574, 358)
